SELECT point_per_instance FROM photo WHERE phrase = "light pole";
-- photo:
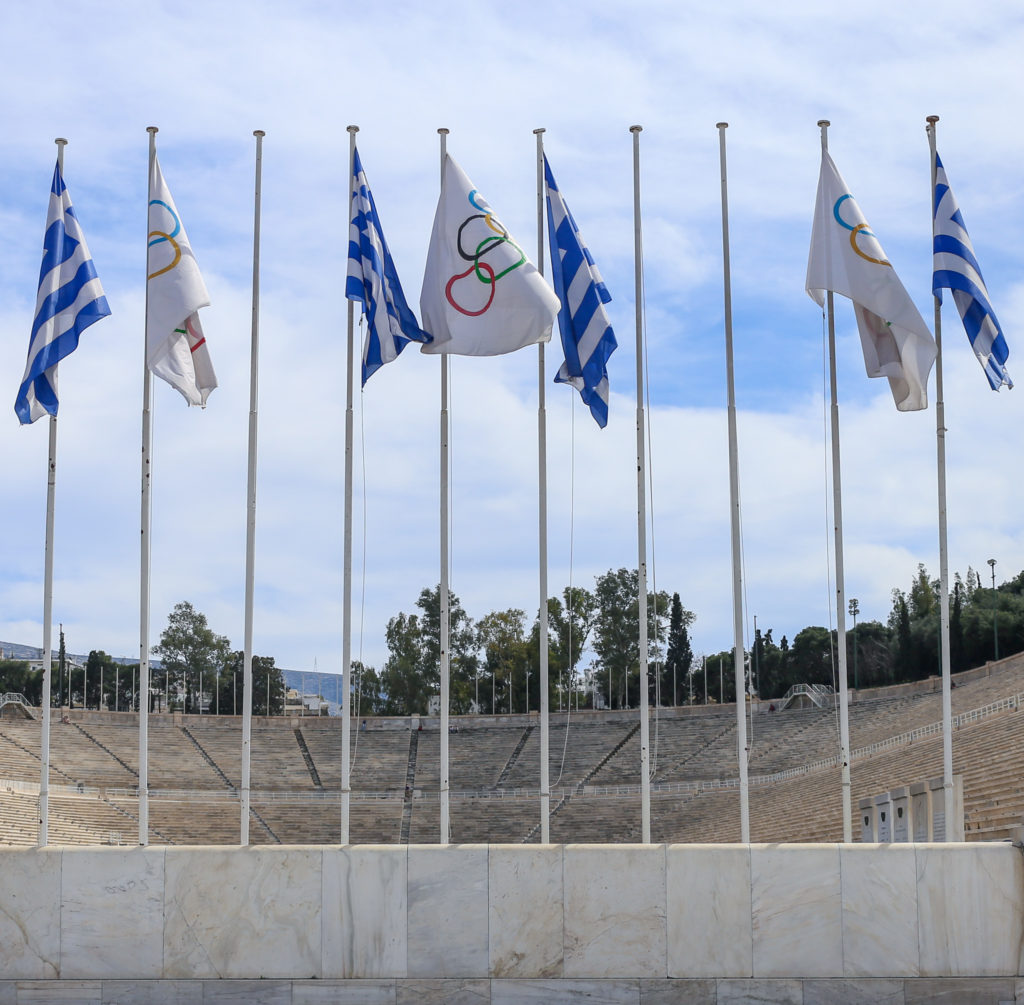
(995, 609)
(854, 611)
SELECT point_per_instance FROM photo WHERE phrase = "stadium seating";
(195, 772)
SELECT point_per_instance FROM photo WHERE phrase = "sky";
(491, 74)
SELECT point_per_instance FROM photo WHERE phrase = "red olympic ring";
(477, 266)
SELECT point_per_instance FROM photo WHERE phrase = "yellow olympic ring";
(853, 244)
(161, 235)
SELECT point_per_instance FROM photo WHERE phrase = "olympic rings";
(860, 228)
(161, 235)
(483, 272)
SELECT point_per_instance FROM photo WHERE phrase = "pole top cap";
(931, 118)
(721, 125)
(541, 130)
(824, 122)
(352, 129)
(60, 141)
(258, 132)
(152, 129)
(443, 131)
(636, 129)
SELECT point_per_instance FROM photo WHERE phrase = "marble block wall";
(513, 913)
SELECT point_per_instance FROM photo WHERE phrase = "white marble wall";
(520, 917)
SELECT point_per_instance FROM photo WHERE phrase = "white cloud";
(303, 72)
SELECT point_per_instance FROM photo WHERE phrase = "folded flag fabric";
(373, 281)
(957, 270)
(481, 295)
(587, 336)
(70, 298)
(848, 259)
(176, 348)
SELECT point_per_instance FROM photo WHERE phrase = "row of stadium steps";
(379, 758)
(100, 750)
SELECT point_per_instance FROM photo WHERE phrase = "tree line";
(593, 655)
(985, 623)
(198, 672)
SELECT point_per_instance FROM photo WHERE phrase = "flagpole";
(542, 517)
(734, 508)
(641, 500)
(445, 557)
(146, 541)
(51, 495)
(250, 523)
(837, 505)
(346, 616)
(952, 832)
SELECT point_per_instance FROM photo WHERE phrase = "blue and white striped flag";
(957, 269)
(587, 337)
(373, 281)
(70, 299)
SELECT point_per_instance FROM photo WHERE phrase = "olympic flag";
(176, 348)
(587, 336)
(847, 258)
(373, 281)
(481, 295)
(957, 270)
(70, 298)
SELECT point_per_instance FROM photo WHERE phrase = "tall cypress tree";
(679, 657)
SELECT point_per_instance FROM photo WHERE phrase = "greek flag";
(70, 299)
(957, 269)
(372, 280)
(587, 336)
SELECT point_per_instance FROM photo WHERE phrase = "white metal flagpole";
(250, 506)
(51, 494)
(641, 501)
(542, 519)
(954, 823)
(346, 615)
(146, 549)
(445, 558)
(734, 508)
(837, 508)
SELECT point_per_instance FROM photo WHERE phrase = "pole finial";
(721, 125)
(352, 129)
(60, 141)
(931, 119)
(258, 132)
(537, 132)
(824, 122)
(152, 129)
(636, 129)
(443, 131)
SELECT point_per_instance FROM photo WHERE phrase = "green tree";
(99, 673)
(189, 650)
(616, 635)
(405, 679)
(412, 671)
(17, 676)
(505, 648)
(367, 695)
(813, 655)
(570, 621)
(678, 656)
(230, 683)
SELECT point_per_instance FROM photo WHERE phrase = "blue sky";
(492, 74)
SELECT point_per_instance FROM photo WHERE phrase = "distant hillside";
(16, 651)
(311, 682)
